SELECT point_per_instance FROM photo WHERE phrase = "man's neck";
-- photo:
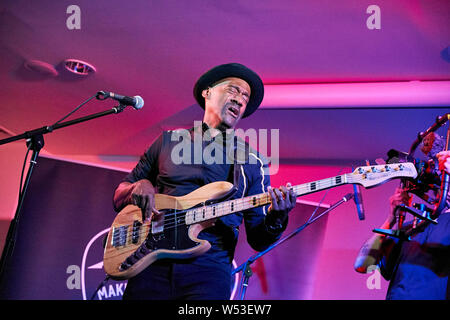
(216, 129)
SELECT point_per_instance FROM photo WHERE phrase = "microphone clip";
(102, 95)
(119, 108)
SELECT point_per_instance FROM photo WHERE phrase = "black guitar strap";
(235, 169)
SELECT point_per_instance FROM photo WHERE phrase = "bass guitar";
(132, 244)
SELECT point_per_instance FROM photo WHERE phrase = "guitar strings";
(303, 188)
(172, 223)
(299, 190)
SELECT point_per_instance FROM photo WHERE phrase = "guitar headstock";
(370, 176)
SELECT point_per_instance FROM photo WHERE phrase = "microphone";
(136, 102)
(358, 201)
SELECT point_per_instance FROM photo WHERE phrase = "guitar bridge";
(120, 235)
(145, 248)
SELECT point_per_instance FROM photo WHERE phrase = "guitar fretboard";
(213, 211)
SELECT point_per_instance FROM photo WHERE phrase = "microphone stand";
(35, 142)
(246, 266)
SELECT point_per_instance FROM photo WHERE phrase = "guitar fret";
(319, 185)
(221, 209)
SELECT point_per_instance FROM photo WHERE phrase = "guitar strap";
(235, 170)
(241, 156)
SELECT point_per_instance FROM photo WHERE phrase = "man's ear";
(206, 93)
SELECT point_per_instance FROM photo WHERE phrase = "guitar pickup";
(119, 236)
(135, 233)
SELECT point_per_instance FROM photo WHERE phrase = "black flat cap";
(232, 70)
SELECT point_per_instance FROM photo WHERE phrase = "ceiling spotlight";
(79, 67)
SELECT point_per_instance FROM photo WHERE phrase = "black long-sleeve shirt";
(176, 165)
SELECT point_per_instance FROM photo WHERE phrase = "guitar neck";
(204, 213)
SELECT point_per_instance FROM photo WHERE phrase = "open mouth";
(234, 111)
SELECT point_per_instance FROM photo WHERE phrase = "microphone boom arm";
(48, 129)
(35, 142)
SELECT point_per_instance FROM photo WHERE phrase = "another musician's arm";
(374, 250)
(378, 249)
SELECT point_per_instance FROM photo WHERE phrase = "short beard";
(223, 127)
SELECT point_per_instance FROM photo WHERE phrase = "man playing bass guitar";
(227, 93)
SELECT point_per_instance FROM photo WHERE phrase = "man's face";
(428, 143)
(226, 101)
